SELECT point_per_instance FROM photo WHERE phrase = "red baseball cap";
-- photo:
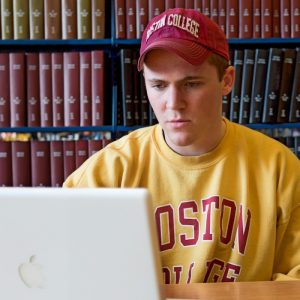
(186, 32)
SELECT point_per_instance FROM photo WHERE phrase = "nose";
(175, 98)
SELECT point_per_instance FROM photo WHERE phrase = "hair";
(220, 63)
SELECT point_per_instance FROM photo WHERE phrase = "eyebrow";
(187, 78)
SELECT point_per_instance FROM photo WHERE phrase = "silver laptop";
(77, 244)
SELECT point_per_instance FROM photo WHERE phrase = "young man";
(225, 198)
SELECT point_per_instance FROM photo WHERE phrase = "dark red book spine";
(46, 89)
(57, 163)
(33, 90)
(120, 17)
(94, 146)
(21, 163)
(57, 78)
(85, 89)
(198, 5)
(189, 4)
(232, 18)
(222, 14)
(266, 18)
(276, 18)
(170, 4)
(245, 19)
(206, 7)
(81, 152)
(130, 19)
(40, 163)
(17, 90)
(295, 18)
(4, 91)
(285, 19)
(98, 87)
(141, 17)
(5, 164)
(180, 3)
(256, 18)
(156, 7)
(71, 89)
(69, 158)
(214, 10)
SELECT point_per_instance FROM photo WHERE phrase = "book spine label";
(21, 163)
(21, 19)
(17, 90)
(57, 78)
(33, 90)
(7, 32)
(40, 163)
(46, 89)
(71, 89)
(4, 91)
(98, 87)
(56, 163)
(84, 21)
(36, 19)
(98, 19)
(5, 164)
(69, 19)
(120, 19)
(52, 19)
(85, 89)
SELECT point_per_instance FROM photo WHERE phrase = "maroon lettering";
(193, 222)
(190, 272)
(206, 208)
(177, 272)
(167, 275)
(168, 212)
(243, 230)
(216, 264)
(227, 236)
(231, 267)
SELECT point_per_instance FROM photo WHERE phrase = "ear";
(228, 80)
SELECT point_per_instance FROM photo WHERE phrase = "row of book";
(43, 89)
(266, 87)
(237, 18)
(52, 19)
(43, 163)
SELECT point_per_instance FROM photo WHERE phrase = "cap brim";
(191, 52)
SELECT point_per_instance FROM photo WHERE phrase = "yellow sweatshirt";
(232, 214)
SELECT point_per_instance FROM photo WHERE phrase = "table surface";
(260, 290)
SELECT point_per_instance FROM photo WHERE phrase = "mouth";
(178, 123)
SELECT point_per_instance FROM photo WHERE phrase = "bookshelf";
(112, 47)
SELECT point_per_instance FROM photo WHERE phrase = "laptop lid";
(76, 244)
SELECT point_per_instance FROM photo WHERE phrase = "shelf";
(58, 129)
(88, 42)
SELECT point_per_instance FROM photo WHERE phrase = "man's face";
(187, 101)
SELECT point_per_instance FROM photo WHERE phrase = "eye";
(158, 86)
(192, 84)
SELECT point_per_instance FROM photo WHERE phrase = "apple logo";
(31, 273)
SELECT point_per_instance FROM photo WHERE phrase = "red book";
(81, 152)
(33, 90)
(285, 18)
(256, 18)
(198, 5)
(46, 90)
(245, 19)
(4, 91)
(57, 163)
(69, 158)
(156, 7)
(214, 10)
(94, 146)
(295, 18)
(98, 87)
(180, 3)
(85, 89)
(276, 18)
(120, 17)
(189, 4)
(170, 4)
(266, 18)
(71, 89)
(232, 19)
(222, 14)
(57, 78)
(40, 163)
(21, 164)
(17, 90)
(141, 17)
(130, 19)
(206, 7)
(5, 164)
